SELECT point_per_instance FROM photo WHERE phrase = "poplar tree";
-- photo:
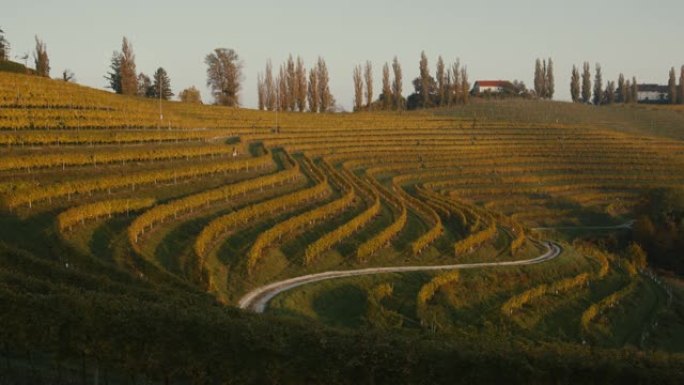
(465, 86)
(628, 92)
(538, 79)
(424, 80)
(326, 99)
(441, 81)
(387, 88)
(672, 87)
(681, 85)
(544, 93)
(41, 59)
(300, 84)
(4, 46)
(598, 86)
(312, 94)
(610, 92)
(456, 82)
(586, 83)
(621, 89)
(291, 83)
(129, 81)
(358, 88)
(549, 81)
(635, 90)
(575, 85)
(283, 93)
(269, 87)
(368, 76)
(397, 84)
(261, 92)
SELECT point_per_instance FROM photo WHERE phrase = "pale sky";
(496, 39)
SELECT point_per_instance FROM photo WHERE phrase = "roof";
(652, 88)
(494, 83)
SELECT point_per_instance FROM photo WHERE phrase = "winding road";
(257, 299)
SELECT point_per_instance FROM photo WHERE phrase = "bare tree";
(441, 81)
(300, 84)
(68, 76)
(129, 80)
(290, 75)
(387, 88)
(313, 89)
(456, 88)
(224, 76)
(283, 95)
(397, 84)
(326, 99)
(41, 59)
(586, 83)
(269, 87)
(368, 76)
(358, 88)
(144, 86)
(575, 85)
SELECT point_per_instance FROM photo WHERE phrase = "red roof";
(493, 83)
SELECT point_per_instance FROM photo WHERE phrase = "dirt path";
(257, 299)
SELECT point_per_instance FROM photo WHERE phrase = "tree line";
(625, 91)
(292, 90)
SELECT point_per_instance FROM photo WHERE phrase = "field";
(115, 223)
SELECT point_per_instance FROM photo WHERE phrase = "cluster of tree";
(390, 97)
(659, 229)
(449, 86)
(624, 92)
(675, 94)
(543, 79)
(4, 46)
(290, 90)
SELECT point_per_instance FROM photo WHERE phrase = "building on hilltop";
(492, 87)
(652, 93)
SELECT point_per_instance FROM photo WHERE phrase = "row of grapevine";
(383, 238)
(430, 216)
(428, 291)
(607, 302)
(31, 195)
(63, 159)
(518, 301)
(160, 213)
(293, 224)
(108, 136)
(334, 237)
(222, 225)
(79, 214)
(472, 241)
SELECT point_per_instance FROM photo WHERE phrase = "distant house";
(492, 87)
(652, 93)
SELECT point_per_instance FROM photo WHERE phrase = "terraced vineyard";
(213, 202)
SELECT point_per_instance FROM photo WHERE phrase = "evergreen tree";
(550, 86)
(368, 76)
(358, 88)
(129, 79)
(114, 76)
(672, 87)
(598, 86)
(41, 59)
(586, 83)
(575, 85)
(397, 84)
(386, 88)
(162, 84)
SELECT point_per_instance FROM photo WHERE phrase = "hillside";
(127, 241)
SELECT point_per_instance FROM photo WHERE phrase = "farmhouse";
(492, 86)
(652, 93)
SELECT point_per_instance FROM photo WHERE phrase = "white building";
(492, 86)
(652, 93)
